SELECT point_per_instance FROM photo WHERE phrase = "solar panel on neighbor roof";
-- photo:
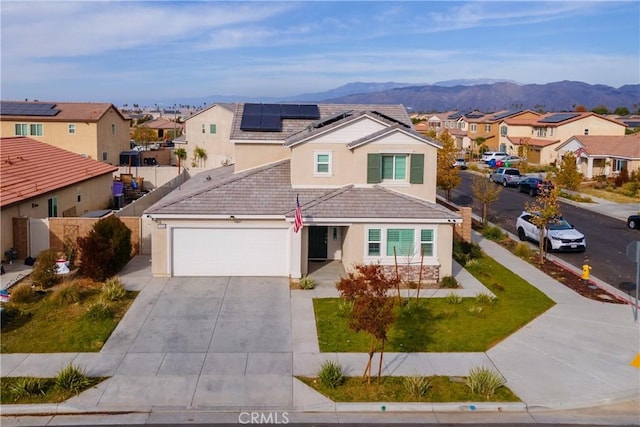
(271, 110)
(505, 114)
(271, 123)
(557, 118)
(252, 109)
(250, 122)
(300, 111)
(27, 109)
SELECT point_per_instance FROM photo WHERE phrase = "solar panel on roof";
(557, 118)
(271, 123)
(271, 110)
(300, 111)
(28, 109)
(252, 109)
(505, 114)
(250, 122)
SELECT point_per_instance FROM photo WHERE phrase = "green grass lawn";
(391, 389)
(44, 326)
(434, 325)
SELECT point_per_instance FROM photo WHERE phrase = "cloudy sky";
(117, 51)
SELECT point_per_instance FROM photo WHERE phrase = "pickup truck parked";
(506, 176)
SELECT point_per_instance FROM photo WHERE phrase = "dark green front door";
(318, 242)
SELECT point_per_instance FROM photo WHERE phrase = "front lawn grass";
(435, 325)
(45, 326)
(391, 389)
(10, 391)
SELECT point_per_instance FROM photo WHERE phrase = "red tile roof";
(69, 112)
(30, 168)
(623, 146)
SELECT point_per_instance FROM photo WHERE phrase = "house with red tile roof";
(39, 180)
(603, 155)
(95, 130)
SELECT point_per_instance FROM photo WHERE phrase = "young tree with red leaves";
(368, 289)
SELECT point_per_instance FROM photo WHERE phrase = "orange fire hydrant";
(586, 268)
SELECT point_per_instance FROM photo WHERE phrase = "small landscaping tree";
(448, 177)
(485, 192)
(568, 176)
(44, 272)
(144, 135)
(106, 249)
(546, 209)
(372, 312)
(181, 154)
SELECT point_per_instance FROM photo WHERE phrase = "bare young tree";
(544, 209)
(368, 288)
(486, 192)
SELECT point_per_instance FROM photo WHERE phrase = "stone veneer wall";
(411, 273)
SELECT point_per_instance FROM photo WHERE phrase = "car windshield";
(559, 224)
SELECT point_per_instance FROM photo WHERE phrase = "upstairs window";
(487, 128)
(72, 128)
(36, 129)
(542, 132)
(212, 129)
(586, 131)
(322, 163)
(394, 167)
(474, 127)
(113, 128)
(503, 131)
(203, 128)
(22, 129)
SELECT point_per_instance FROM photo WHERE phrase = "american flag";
(297, 224)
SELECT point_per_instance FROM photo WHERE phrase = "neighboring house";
(365, 181)
(603, 155)
(95, 130)
(210, 130)
(544, 133)
(163, 128)
(42, 181)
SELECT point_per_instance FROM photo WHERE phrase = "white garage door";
(230, 252)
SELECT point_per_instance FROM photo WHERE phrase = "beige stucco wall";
(251, 155)
(218, 147)
(350, 166)
(90, 138)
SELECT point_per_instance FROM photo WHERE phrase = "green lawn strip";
(49, 393)
(434, 325)
(45, 327)
(391, 389)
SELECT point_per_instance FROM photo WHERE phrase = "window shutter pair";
(374, 169)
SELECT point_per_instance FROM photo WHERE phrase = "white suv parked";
(559, 236)
(493, 155)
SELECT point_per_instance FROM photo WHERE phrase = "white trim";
(417, 243)
(257, 141)
(316, 163)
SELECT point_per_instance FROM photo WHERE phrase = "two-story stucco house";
(543, 134)
(210, 130)
(364, 179)
(95, 130)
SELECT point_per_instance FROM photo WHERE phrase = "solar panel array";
(27, 109)
(557, 118)
(505, 114)
(268, 117)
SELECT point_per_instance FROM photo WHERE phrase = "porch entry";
(318, 242)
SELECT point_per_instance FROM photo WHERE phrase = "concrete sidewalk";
(572, 358)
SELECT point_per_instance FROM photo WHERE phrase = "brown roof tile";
(30, 168)
(623, 146)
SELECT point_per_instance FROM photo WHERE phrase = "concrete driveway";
(222, 342)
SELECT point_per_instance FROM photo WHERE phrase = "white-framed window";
(203, 128)
(113, 128)
(212, 129)
(22, 129)
(322, 163)
(503, 131)
(387, 243)
(487, 128)
(474, 127)
(586, 131)
(72, 128)
(550, 131)
(394, 167)
(35, 129)
(619, 164)
(541, 132)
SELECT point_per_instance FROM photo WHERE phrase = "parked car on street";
(505, 176)
(633, 221)
(559, 235)
(510, 161)
(534, 185)
(493, 155)
(460, 163)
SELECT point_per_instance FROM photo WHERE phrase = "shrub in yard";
(484, 382)
(416, 385)
(453, 298)
(71, 378)
(98, 311)
(629, 189)
(106, 249)
(522, 250)
(463, 252)
(66, 294)
(485, 298)
(449, 282)
(113, 289)
(307, 283)
(27, 386)
(330, 374)
(345, 308)
(44, 270)
(493, 233)
(22, 294)
(475, 309)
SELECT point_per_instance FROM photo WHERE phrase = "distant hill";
(557, 96)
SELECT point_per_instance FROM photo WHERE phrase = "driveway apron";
(214, 342)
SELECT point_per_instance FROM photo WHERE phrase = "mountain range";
(487, 95)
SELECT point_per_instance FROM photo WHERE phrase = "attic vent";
(84, 155)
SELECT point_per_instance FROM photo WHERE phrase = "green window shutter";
(417, 169)
(373, 168)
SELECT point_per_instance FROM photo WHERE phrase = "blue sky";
(118, 51)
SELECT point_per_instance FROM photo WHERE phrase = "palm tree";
(181, 154)
(199, 155)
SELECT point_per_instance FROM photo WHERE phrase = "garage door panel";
(229, 252)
